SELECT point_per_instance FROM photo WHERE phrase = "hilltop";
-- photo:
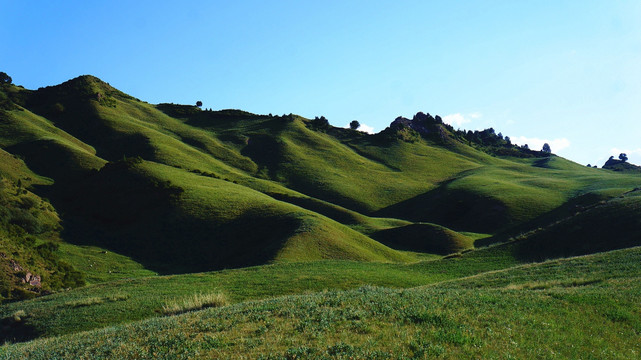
(621, 164)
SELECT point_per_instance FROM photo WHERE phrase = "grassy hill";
(189, 190)
(123, 209)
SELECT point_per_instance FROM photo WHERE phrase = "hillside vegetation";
(179, 189)
(303, 179)
(123, 212)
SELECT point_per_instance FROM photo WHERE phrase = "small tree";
(354, 125)
(546, 148)
(199, 103)
(623, 157)
(319, 123)
(4, 78)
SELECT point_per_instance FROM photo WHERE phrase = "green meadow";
(584, 307)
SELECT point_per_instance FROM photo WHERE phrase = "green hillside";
(188, 189)
(117, 216)
(29, 237)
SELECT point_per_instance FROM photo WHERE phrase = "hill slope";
(216, 189)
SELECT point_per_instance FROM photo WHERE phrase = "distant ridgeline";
(421, 125)
(433, 128)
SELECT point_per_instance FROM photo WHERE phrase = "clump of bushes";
(195, 302)
(95, 300)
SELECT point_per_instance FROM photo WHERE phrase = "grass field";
(144, 297)
(582, 307)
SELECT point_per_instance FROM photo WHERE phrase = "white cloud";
(459, 119)
(537, 144)
(617, 151)
(364, 128)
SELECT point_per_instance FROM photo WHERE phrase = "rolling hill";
(114, 208)
(180, 189)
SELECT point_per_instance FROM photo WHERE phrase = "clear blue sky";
(566, 72)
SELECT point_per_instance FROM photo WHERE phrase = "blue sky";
(565, 72)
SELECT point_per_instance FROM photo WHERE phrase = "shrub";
(26, 220)
(84, 302)
(195, 302)
(19, 315)
(320, 124)
(5, 79)
(546, 148)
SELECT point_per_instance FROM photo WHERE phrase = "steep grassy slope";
(29, 237)
(47, 150)
(533, 311)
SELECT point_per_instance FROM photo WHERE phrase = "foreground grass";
(485, 316)
(142, 298)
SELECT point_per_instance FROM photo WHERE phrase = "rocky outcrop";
(620, 165)
(24, 276)
(424, 124)
(15, 266)
(31, 279)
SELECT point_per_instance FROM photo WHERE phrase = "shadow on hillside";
(611, 225)
(73, 111)
(121, 210)
(456, 209)
(426, 238)
(587, 224)
(566, 210)
(15, 328)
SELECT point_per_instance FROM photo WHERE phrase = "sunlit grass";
(194, 302)
(469, 318)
